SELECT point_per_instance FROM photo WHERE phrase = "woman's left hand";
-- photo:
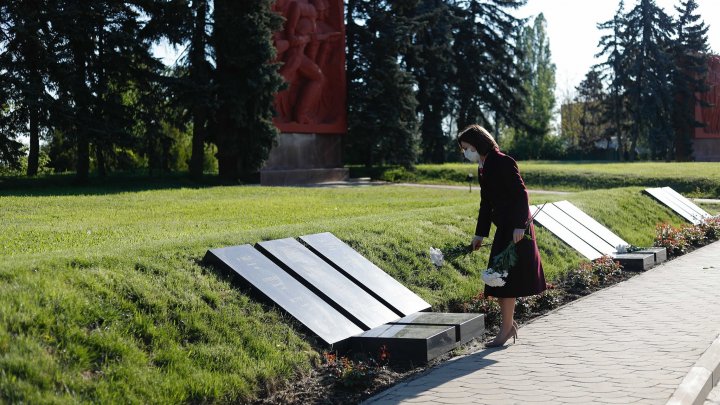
(518, 235)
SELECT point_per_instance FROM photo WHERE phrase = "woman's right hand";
(476, 242)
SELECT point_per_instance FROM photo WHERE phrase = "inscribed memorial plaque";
(565, 235)
(686, 203)
(590, 223)
(363, 272)
(289, 294)
(660, 195)
(579, 229)
(324, 280)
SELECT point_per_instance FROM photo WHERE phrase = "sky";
(573, 34)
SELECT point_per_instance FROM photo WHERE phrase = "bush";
(524, 306)
(671, 238)
(711, 228)
(484, 305)
(677, 239)
(581, 279)
(694, 235)
(548, 299)
(605, 269)
(399, 174)
(350, 373)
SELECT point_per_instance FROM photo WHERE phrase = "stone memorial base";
(304, 159)
(467, 326)
(660, 253)
(636, 261)
(415, 344)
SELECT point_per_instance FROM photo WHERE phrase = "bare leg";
(507, 310)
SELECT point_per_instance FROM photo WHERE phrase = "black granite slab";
(590, 223)
(365, 273)
(416, 344)
(578, 228)
(565, 234)
(691, 206)
(467, 326)
(636, 261)
(280, 288)
(328, 283)
(664, 198)
(660, 253)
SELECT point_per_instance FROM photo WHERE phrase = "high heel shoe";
(501, 341)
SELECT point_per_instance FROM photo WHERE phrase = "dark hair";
(478, 137)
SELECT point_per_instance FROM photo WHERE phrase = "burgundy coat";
(504, 202)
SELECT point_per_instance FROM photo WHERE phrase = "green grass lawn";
(103, 297)
(699, 179)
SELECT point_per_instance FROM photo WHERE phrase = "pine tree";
(590, 96)
(650, 69)
(245, 83)
(103, 53)
(431, 61)
(487, 78)
(184, 22)
(539, 84)
(614, 72)
(383, 120)
(690, 58)
(24, 64)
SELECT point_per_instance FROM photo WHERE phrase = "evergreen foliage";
(24, 62)
(539, 85)
(590, 96)
(650, 69)
(245, 84)
(382, 120)
(613, 72)
(485, 50)
(654, 68)
(690, 54)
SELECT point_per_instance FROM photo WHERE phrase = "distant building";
(706, 141)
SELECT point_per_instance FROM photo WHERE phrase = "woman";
(504, 202)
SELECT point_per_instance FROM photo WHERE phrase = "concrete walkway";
(714, 397)
(631, 343)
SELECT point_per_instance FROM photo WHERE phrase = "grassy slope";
(103, 298)
(695, 178)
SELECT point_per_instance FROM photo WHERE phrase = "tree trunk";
(33, 157)
(100, 158)
(82, 106)
(198, 77)
(83, 156)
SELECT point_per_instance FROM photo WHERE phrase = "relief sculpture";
(711, 116)
(311, 50)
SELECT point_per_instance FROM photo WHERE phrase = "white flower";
(622, 248)
(494, 278)
(436, 256)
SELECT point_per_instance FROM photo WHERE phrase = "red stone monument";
(311, 111)
(706, 142)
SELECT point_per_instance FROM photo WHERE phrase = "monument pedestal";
(304, 159)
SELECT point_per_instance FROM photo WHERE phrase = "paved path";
(714, 397)
(475, 187)
(363, 182)
(630, 343)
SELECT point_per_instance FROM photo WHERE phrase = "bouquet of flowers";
(495, 276)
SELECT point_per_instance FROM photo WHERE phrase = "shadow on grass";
(68, 185)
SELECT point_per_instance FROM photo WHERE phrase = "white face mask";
(472, 156)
